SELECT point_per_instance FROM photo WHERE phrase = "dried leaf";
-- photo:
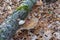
(33, 22)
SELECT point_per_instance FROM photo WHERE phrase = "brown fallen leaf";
(39, 3)
(1, 20)
(1, 1)
(31, 24)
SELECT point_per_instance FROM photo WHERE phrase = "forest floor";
(42, 23)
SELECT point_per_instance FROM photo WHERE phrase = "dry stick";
(10, 25)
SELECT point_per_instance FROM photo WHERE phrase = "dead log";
(10, 25)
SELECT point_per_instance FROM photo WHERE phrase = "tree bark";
(10, 25)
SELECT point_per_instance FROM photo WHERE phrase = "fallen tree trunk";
(10, 25)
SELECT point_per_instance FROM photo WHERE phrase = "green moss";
(1, 39)
(31, 1)
(1, 31)
(24, 7)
